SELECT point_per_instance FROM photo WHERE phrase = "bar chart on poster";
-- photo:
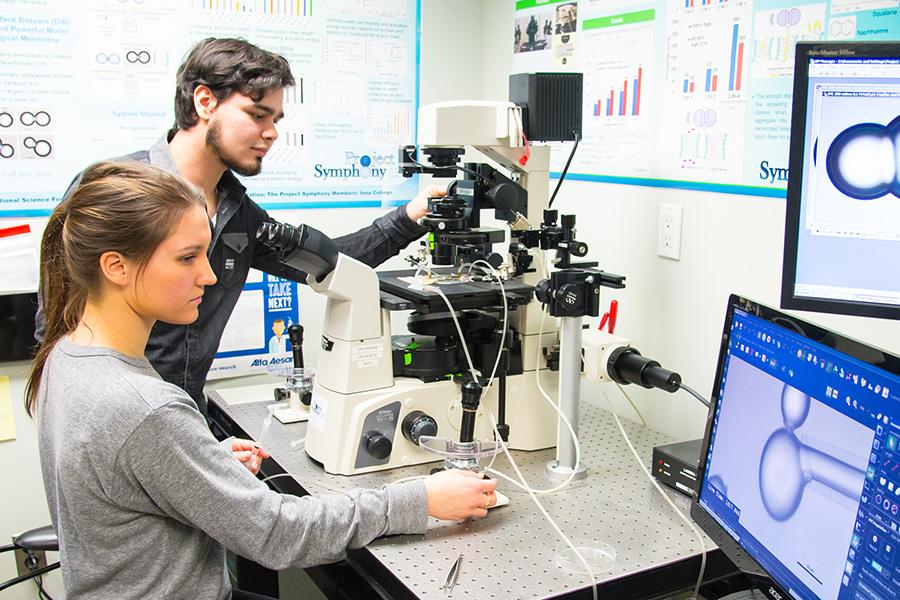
(84, 81)
(692, 94)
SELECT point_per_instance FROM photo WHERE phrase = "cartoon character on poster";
(277, 341)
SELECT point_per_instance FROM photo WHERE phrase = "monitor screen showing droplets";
(800, 467)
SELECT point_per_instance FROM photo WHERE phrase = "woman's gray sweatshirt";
(145, 500)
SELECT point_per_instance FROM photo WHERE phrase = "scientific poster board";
(84, 81)
(692, 94)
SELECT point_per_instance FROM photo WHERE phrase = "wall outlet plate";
(668, 244)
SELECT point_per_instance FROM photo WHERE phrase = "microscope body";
(363, 418)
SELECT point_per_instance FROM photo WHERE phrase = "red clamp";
(610, 317)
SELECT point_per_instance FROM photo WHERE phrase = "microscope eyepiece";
(282, 237)
(303, 248)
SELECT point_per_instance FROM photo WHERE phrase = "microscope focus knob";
(578, 249)
(416, 424)
(377, 444)
(503, 196)
(570, 295)
(542, 291)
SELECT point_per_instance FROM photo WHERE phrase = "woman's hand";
(248, 453)
(458, 494)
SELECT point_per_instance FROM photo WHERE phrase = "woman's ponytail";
(61, 302)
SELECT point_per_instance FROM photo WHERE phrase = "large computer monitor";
(842, 232)
(800, 467)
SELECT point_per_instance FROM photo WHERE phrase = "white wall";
(674, 311)
(451, 59)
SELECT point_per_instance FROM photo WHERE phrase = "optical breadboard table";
(512, 552)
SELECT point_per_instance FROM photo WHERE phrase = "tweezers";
(452, 576)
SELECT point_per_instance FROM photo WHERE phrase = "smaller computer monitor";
(842, 227)
(800, 467)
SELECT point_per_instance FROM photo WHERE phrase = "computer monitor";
(800, 466)
(842, 228)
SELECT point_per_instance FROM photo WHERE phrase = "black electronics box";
(551, 105)
(676, 465)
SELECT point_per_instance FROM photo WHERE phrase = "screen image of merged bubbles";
(863, 161)
(794, 467)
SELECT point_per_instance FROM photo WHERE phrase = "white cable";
(547, 516)
(462, 339)
(437, 289)
(631, 402)
(524, 483)
(665, 496)
(562, 416)
(546, 397)
(490, 382)
(270, 477)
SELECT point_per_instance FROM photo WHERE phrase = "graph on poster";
(692, 94)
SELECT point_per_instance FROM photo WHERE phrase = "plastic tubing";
(267, 421)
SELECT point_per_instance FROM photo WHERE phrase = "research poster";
(692, 94)
(84, 81)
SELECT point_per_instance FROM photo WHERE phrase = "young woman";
(143, 498)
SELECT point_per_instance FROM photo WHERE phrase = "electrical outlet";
(668, 244)
(30, 560)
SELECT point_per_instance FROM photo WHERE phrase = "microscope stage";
(475, 294)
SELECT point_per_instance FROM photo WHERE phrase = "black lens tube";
(471, 397)
(626, 365)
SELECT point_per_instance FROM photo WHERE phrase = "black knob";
(570, 295)
(471, 395)
(416, 424)
(495, 260)
(306, 398)
(282, 394)
(377, 444)
(503, 196)
(542, 291)
(578, 249)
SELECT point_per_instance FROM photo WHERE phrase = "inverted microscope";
(476, 336)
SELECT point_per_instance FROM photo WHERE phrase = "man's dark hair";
(225, 66)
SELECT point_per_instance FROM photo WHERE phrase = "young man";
(228, 101)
